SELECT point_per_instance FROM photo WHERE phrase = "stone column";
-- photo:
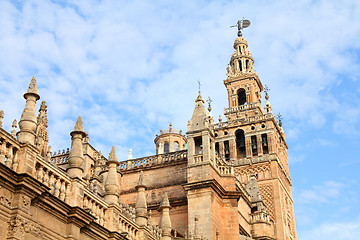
(259, 145)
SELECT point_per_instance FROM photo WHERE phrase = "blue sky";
(129, 68)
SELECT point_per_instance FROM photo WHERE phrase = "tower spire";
(141, 206)
(165, 222)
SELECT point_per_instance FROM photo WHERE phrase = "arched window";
(265, 144)
(241, 96)
(240, 143)
(166, 147)
(175, 146)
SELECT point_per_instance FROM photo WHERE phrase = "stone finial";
(141, 206)
(76, 155)
(1, 117)
(165, 222)
(79, 125)
(112, 183)
(32, 86)
(28, 120)
(13, 129)
(130, 154)
(112, 155)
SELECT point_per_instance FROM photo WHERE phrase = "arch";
(166, 147)
(240, 143)
(175, 146)
(241, 95)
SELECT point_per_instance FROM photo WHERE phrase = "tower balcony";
(242, 108)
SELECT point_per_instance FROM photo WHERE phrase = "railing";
(60, 157)
(242, 107)
(8, 151)
(54, 178)
(152, 160)
(259, 217)
(198, 158)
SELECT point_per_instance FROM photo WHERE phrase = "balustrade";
(52, 177)
(152, 160)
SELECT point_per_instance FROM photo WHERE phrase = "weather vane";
(266, 91)
(209, 101)
(199, 84)
(241, 24)
(280, 118)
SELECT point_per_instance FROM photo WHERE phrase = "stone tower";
(252, 140)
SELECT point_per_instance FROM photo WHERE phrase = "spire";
(141, 206)
(76, 156)
(112, 186)
(33, 88)
(165, 222)
(28, 120)
(268, 108)
(130, 154)
(197, 121)
(79, 125)
(41, 129)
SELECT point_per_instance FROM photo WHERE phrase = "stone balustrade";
(258, 217)
(241, 107)
(8, 150)
(153, 160)
(95, 205)
(226, 170)
(54, 178)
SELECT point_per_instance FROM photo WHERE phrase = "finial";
(130, 154)
(141, 179)
(170, 127)
(199, 85)
(1, 117)
(165, 201)
(266, 91)
(112, 156)
(209, 101)
(241, 24)
(279, 118)
(43, 106)
(32, 89)
(14, 126)
(79, 125)
(220, 119)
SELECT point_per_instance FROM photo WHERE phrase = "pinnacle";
(79, 125)
(141, 179)
(32, 86)
(43, 106)
(112, 156)
(165, 202)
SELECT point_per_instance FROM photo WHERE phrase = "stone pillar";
(76, 156)
(141, 206)
(259, 145)
(232, 149)
(248, 147)
(165, 222)
(28, 120)
(112, 184)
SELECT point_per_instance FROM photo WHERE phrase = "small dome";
(240, 40)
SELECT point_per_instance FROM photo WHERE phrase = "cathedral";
(219, 180)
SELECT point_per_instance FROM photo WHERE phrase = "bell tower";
(252, 139)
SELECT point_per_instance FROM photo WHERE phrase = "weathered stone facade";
(231, 182)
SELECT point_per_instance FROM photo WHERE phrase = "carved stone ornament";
(18, 227)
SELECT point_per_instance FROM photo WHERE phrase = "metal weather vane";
(199, 84)
(209, 101)
(241, 24)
